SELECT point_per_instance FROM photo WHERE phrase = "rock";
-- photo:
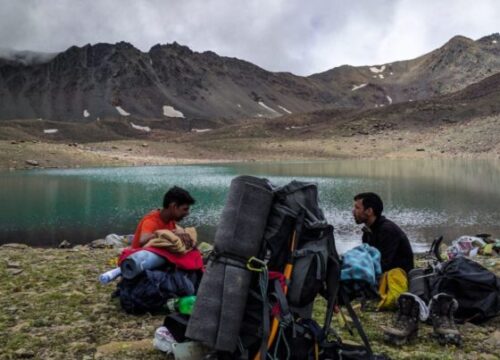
(31, 162)
(65, 244)
(14, 142)
(15, 271)
(469, 327)
(420, 149)
(493, 340)
(15, 246)
(114, 147)
(144, 145)
(111, 241)
(24, 353)
(13, 264)
(105, 351)
(485, 356)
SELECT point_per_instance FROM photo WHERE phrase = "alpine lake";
(426, 197)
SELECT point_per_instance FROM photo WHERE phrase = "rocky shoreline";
(54, 307)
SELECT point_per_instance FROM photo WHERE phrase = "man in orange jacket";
(176, 205)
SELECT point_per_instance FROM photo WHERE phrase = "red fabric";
(192, 260)
(276, 275)
(148, 225)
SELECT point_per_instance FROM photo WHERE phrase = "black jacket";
(392, 242)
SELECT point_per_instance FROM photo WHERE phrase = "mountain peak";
(174, 47)
(459, 40)
(490, 39)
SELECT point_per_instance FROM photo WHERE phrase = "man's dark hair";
(177, 195)
(371, 200)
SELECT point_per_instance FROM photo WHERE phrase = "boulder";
(65, 244)
(32, 162)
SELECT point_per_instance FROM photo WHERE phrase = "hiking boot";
(405, 326)
(442, 308)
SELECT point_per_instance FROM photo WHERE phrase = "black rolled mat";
(222, 295)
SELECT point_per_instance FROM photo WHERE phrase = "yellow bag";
(392, 284)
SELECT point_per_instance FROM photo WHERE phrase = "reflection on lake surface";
(425, 197)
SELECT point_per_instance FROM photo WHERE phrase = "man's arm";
(388, 243)
(145, 237)
(148, 228)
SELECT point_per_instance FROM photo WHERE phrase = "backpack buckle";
(256, 264)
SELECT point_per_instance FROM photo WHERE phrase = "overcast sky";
(302, 37)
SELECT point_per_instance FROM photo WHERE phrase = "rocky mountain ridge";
(93, 82)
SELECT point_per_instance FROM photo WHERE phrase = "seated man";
(382, 233)
(176, 203)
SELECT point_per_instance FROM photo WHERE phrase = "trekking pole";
(287, 274)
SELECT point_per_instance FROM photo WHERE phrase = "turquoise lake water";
(426, 198)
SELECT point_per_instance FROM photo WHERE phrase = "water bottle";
(183, 305)
(110, 275)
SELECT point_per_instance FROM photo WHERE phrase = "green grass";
(56, 309)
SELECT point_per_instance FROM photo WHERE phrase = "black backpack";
(301, 261)
(476, 289)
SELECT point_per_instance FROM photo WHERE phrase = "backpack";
(274, 252)
(149, 291)
(476, 289)
(302, 262)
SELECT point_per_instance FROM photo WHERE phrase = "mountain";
(476, 101)
(171, 80)
(455, 65)
(83, 84)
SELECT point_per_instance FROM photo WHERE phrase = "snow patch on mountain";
(50, 131)
(261, 103)
(284, 109)
(377, 70)
(169, 111)
(121, 111)
(140, 128)
(357, 87)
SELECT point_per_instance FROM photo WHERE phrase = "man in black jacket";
(382, 233)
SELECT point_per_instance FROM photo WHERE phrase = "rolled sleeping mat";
(222, 295)
(140, 261)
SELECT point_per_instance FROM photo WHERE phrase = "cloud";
(278, 35)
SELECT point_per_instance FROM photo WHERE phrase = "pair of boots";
(441, 310)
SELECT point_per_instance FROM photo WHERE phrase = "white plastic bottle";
(110, 275)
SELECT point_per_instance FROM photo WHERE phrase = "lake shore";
(54, 307)
(480, 140)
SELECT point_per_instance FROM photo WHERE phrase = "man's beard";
(358, 220)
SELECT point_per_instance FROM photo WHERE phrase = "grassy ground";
(54, 308)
